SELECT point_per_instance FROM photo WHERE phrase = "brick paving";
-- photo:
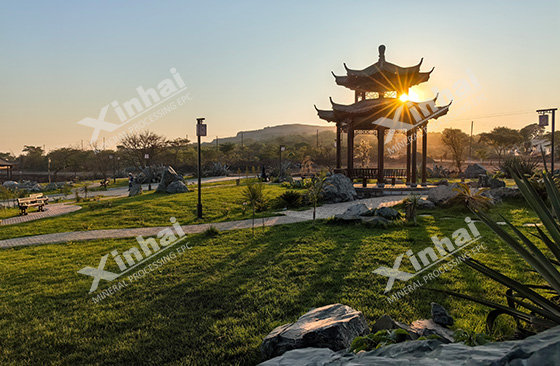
(289, 217)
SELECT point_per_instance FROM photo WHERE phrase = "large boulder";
(134, 190)
(542, 349)
(440, 194)
(339, 188)
(353, 212)
(424, 204)
(474, 170)
(10, 184)
(171, 182)
(176, 187)
(388, 213)
(485, 181)
(333, 326)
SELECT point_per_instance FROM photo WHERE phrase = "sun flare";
(404, 98)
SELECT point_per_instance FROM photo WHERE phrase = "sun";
(412, 96)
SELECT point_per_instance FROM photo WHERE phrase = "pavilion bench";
(34, 200)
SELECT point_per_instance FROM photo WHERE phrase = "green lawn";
(220, 203)
(214, 304)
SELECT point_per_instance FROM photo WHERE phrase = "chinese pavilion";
(381, 107)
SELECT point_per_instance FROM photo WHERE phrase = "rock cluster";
(339, 188)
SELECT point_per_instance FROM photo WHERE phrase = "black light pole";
(282, 148)
(200, 131)
(543, 121)
(147, 157)
(114, 176)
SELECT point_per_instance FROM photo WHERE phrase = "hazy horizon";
(248, 65)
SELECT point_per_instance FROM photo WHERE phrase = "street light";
(543, 121)
(200, 131)
(282, 148)
(147, 157)
(113, 161)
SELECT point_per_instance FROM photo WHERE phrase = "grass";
(215, 303)
(220, 203)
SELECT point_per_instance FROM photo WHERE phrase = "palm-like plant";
(411, 204)
(315, 190)
(537, 305)
(254, 194)
(470, 198)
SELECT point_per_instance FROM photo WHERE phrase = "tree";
(315, 190)
(135, 146)
(456, 141)
(529, 133)
(501, 139)
(363, 151)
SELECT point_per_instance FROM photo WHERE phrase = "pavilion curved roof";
(385, 112)
(383, 76)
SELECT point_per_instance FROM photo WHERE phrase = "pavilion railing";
(372, 173)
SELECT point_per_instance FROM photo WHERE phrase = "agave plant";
(411, 204)
(471, 198)
(537, 305)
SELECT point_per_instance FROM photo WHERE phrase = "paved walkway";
(51, 210)
(289, 217)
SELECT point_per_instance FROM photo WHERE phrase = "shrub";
(518, 164)
(471, 199)
(291, 199)
(211, 232)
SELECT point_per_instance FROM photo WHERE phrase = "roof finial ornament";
(382, 53)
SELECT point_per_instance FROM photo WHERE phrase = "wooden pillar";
(350, 151)
(380, 156)
(338, 146)
(424, 153)
(408, 148)
(413, 160)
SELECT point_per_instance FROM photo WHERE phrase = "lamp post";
(543, 121)
(200, 131)
(113, 162)
(49, 169)
(147, 157)
(118, 164)
(282, 148)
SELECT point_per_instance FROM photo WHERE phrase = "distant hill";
(269, 133)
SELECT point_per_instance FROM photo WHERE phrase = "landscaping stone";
(440, 194)
(474, 170)
(135, 190)
(171, 182)
(485, 181)
(424, 204)
(338, 188)
(375, 221)
(428, 327)
(542, 349)
(353, 212)
(177, 187)
(442, 182)
(10, 184)
(387, 213)
(440, 315)
(504, 192)
(333, 326)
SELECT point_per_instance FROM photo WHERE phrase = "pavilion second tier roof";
(369, 114)
(383, 76)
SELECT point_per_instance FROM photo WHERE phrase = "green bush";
(518, 164)
(291, 199)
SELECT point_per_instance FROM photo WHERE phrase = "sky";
(246, 65)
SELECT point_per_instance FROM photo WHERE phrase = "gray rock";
(474, 170)
(424, 204)
(375, 221)
(176, 187)
(135, 190)
(442, 182)
(356, 210)
(429, 327)
(10, 184)
(505, 192)
(440, 194)
(333, 326)
(339, 188)
(440, 315)
(542, 349)
(171, 182)
(388, 213)
(485, 181)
